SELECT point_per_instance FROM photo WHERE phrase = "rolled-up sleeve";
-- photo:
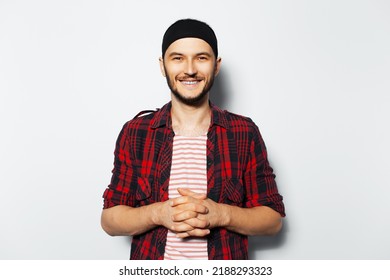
(119, 191)
(260, 185)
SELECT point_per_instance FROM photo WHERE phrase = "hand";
(179, 214)
(201, 222)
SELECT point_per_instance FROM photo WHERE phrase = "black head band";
(189, 28)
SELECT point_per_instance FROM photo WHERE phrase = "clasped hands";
(191, 214)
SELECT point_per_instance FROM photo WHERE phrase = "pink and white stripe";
(189, 170)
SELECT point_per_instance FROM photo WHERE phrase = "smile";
(189, 82)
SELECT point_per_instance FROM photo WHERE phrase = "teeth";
(189, 82)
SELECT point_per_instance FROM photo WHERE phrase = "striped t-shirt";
(188, 171)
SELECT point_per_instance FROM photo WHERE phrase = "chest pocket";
(233, 191)
(143, 194)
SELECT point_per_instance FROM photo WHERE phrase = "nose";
(190, 68)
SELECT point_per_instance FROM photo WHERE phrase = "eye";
(177, 58)
(202, 58)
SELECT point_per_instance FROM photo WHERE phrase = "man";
(191, 181)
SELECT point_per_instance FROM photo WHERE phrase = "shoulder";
(241, 127)
(147, 119)
(237, 117)
(143, 117)
(140, 122)
(245, 130)
(239, 121)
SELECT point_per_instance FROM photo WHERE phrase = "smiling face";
(190, 66)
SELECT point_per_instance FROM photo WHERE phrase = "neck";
(190, 120)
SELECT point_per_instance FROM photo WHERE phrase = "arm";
(126, 220)
(260, 220)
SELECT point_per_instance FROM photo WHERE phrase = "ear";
(162, 69)
(217, 66)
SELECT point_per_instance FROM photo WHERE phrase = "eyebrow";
(204, 53)
(198, 54)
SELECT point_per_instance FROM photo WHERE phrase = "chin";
(190, 100)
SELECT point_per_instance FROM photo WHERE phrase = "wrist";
(155, 213)
(226, 215)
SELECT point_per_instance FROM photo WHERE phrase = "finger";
(185, 215)
(197, 223)
(194, 233)
(189, 207)
(181, 227)
(188, 192)
(191, 211)
(185, 200)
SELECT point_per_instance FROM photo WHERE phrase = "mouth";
(190, 83)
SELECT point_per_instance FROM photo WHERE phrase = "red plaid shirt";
(238, 174)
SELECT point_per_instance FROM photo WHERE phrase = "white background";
(314, 76)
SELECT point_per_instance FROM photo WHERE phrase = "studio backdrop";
(313, 75)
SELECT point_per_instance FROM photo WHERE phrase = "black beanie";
(189, 28)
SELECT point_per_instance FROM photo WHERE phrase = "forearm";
(124, 220)
(260, 220)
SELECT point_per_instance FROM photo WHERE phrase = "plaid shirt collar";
(163, 117)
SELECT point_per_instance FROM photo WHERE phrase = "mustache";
(192, 77)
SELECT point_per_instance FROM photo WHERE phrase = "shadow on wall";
(261, 243)
(220, 92)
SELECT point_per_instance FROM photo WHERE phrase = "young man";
(191, 181)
